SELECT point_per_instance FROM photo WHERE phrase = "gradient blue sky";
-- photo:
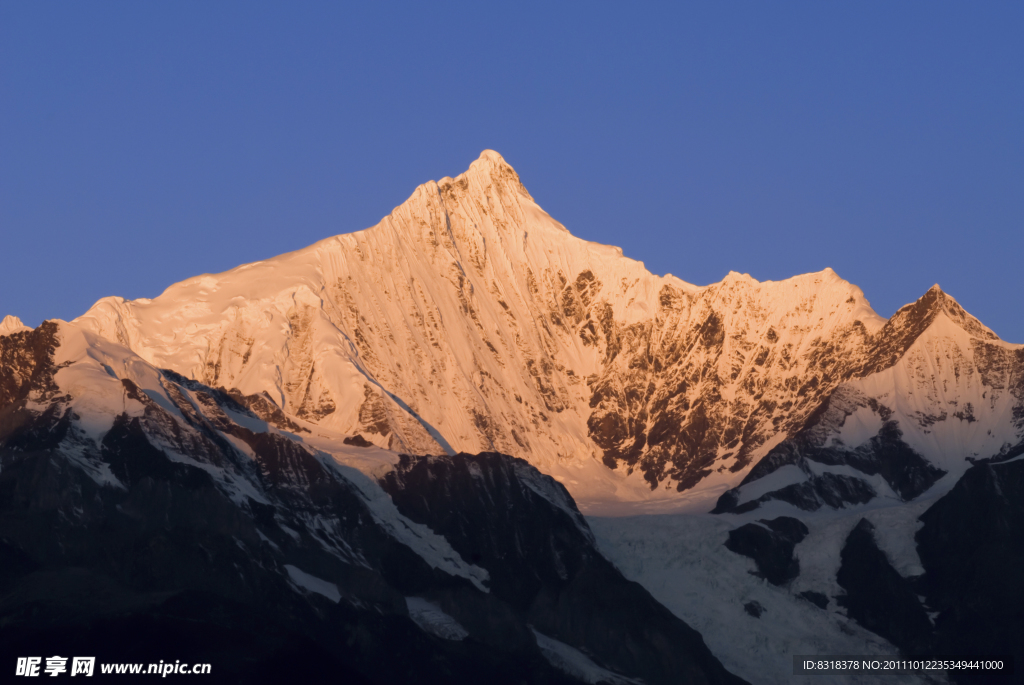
(145, 142)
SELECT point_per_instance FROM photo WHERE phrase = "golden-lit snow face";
(470, 320)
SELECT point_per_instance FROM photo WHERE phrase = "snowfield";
(682, 560)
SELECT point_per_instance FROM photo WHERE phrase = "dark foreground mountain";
(146, 517)
(523, 527)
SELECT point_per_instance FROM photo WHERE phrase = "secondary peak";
(12, 324)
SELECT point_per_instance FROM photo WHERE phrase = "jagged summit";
(935, 302)
(488, 172)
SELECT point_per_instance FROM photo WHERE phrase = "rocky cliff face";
(938, 392)
(525, 530)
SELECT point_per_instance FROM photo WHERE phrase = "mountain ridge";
(470, 320)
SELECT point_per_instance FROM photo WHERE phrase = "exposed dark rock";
(357, 441)
(972, 549)
(754, 608)
(819, 599)
(834, 490)
(26, 364)
(1004, 455)
(373, 412)
(172, 565)
(877, 596)
(258, 406)
(770, 546)
(550, 543)
(503, 515)
(263, 407)
(727, 502)
(787, 528)
(886, 454)
(907, 472)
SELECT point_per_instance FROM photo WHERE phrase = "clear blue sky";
(145, 142)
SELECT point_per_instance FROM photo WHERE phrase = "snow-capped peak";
(469, 320)
(489, 157)
(12, 324)
(918, 315)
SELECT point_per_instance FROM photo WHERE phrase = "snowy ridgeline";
(310, 583)
(577, 664)
(432, 619)
(470, 320)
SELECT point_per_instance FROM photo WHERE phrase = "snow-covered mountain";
(470, 320)
(777, 466)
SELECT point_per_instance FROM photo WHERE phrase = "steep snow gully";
(464, 444)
